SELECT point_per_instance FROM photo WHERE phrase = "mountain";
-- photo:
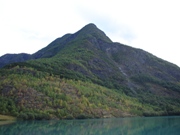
(86, 75)
(11, 58)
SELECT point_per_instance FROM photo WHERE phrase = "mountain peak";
(92, 30)
(90, 26)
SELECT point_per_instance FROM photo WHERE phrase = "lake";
(112, 126)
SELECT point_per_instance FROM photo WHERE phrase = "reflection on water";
(119, 126)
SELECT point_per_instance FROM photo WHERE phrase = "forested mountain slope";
(86, 75)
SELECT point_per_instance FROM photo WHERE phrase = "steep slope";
(85, 75)
(53, 48)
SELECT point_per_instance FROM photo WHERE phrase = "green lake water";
(113, 126)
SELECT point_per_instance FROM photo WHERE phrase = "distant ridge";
(11, 58)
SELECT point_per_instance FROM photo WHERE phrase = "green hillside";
(86, 75)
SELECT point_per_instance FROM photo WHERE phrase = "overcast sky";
(152, 25)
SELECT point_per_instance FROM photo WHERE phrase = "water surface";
(114, 126)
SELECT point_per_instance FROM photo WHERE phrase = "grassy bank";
(4, 119)
(7, 118)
